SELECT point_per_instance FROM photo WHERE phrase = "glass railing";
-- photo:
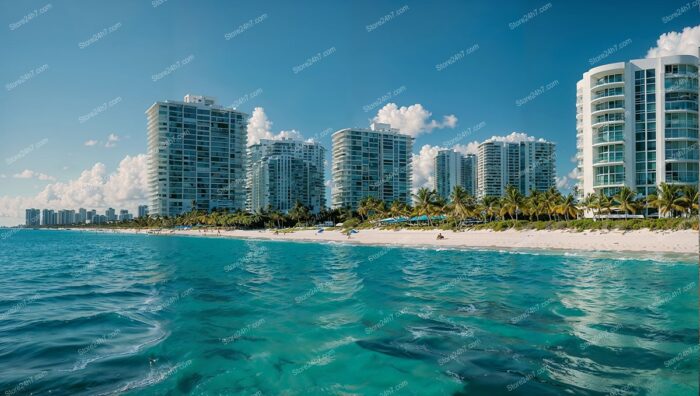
(609, 117)
(614, 78)
(614, 156)
(609, 106)
(603, 180)
(608, 92)
(685, 105)
(609, 137)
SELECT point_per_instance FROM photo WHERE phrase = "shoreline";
(640, 241)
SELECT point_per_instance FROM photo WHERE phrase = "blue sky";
(482, 86)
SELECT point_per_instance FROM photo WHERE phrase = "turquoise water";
(85, 313)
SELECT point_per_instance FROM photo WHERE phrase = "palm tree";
(667, 199)
(299, 213)
(398, 209)
(367, 206)
(626, 200)
(589, 202)
(568, 207)
(276, 216)
(425, 202)
(690, 197)
(512, 202)
(460, 204)
(552, 198)
(491, 206)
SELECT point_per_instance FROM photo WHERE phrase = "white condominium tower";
(637, 125)
(285, 171)
(197, 156)
(454, 169)
(371, 162)
(526, 165)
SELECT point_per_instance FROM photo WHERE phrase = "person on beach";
(440, 236)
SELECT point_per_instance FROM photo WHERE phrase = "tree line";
(460, 208)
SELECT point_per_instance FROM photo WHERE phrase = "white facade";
(371, 162)
(282, 172)
(637, 125)
(527, 165)
(454, 169)
(197, 156)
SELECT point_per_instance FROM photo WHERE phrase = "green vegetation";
(546, 210)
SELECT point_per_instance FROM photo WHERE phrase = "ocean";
(85, 313)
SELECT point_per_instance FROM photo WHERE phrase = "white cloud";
(412, 120)
(30, 174)
(568, 181)
(424, 161)
(126, 188)
(469, 148)
(674, 43)
(423, 165)
(259, 127)
(91, 143)
(514, 137)
(112, 140)
(3, 176)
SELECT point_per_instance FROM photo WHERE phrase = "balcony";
(605, 139)
(609, 81)
(608, 181)
(612, 158)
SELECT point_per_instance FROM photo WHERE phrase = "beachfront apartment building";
(637, 125)
(81, 215)
(32, 217)
(124, 215)
(48, 217)
(197, 156)
(371, 162)
(527, 165)
(453, 169)
(143, 211)
(283, 172)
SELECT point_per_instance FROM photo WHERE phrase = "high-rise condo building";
(282, 172)
(637, 125)
(48, 217)
(143, 211)
(89, 215)
(81, 215)
(526, 165)
(454, 169)
(110, 214)
(197, 156)
(371, 162)
(32, 217)
(66, 216)
(124, 215)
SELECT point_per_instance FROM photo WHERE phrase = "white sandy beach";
(685, 241)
